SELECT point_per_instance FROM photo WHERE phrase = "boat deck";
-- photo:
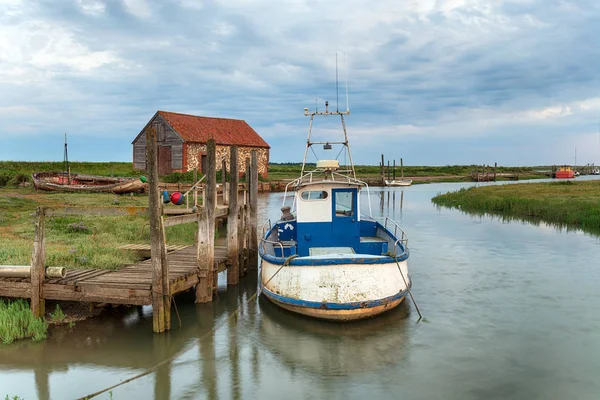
(131, 284)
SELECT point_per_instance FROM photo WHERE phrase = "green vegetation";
(568, 203)
(58, 315)
(18, 322)
(74, 241)
(15, 172)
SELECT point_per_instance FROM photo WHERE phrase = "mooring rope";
(191, 345)
(408, 288)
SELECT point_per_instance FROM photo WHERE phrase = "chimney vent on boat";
(326, 106)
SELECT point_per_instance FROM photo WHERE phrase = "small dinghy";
(322, 258)
(63, 182)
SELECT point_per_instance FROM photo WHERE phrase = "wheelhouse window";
(310, 195)
(344, 204)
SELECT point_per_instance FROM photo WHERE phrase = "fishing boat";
(65, 182)
(323, 258)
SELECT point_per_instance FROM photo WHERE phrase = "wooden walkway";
(131, 284)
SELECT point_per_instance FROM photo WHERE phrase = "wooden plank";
(38, 271)
(183, 284)
(181, 219)
(92, 293)
(15, 289)
(97, 211)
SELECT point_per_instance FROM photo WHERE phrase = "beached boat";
(323, 258)
(400, 182)
(63, 182)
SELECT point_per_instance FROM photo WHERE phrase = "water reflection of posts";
(381, 200)
(234, 360)
(207, 353)
(41, 382)
(162, 382)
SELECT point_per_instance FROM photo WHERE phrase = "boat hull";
(59, 182)
(342, 292)
(404, 182)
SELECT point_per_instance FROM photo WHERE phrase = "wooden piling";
(495, 166)
(196, 189)
(206, 230)
(224, 180)
(241, 239)
(233, 274)
(38, 271)
(253, 212)
(382, 171)
(394, 170)
(160, 270)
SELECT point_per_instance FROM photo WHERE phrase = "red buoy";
(177, 198)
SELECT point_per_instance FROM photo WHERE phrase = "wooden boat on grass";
(63, 182)
(323, 258)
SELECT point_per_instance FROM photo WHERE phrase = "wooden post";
(196, 189)
(382, 172)
(224, 180)
(495, 166)
(388, 170)
(160, 271)
(38, 257)
(232, 219)
(253, 212)
(402, 168)
(241, 237)
(394, 169)
(206, 230)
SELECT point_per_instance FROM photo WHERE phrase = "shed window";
(310, 195)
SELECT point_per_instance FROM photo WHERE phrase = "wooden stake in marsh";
(161, 299)
(38, 271)
(233, 274)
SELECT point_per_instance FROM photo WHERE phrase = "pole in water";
(337, 92)
(408, 288)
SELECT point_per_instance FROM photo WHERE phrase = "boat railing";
(264, 242)
(402, 239)
(266, 225)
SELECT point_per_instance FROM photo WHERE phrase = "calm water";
(512, 309)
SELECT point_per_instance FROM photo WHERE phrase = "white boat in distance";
(322, 258)
(401, 182)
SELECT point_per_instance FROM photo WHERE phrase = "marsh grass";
(75, 241)
(563, 203)
(18, 322)
(57, 316)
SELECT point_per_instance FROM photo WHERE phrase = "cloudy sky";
(433, 81)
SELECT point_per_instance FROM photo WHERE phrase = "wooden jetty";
(169, 270)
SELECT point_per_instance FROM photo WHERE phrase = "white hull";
(403, 182)
(335, 292)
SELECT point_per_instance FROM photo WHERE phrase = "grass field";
(565, 203)
(80, 242)
(13, 172)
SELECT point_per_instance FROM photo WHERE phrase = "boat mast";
(66, 161)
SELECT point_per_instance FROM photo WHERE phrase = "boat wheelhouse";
(323, 258)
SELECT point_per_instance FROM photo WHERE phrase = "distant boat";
(63, 182)
(401, 182)
(564, 173)
(595, 171)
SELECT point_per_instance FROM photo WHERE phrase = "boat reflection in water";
(334, 348)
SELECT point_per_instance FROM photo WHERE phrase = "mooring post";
(241, 237)
(382, 172)
(206, 230)
(252, 214)
(224, 179)
(495, 166)
(388, 170)
(160, 272)
(38, 257)
(232, 219)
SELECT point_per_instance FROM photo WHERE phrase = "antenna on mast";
(337, 92)
(346, 66)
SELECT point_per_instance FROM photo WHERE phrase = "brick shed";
(182, 142)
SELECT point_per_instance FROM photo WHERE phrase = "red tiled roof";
(223, 130)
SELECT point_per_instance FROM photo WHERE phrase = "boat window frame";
(327, 194)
